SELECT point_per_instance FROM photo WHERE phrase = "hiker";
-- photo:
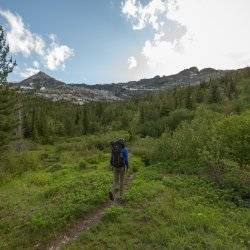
(119, 163)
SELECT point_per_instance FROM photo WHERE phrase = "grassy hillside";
(189, 147)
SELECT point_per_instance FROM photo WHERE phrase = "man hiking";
(119, 162)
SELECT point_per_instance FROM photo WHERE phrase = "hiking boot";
(111, 196)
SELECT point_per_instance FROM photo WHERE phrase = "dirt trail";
(83, 224)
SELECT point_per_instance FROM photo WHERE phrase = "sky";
(104, 41)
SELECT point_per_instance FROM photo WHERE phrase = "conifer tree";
(85, 121)
(7, 96)
(215, 95)
(188, 98)
(6, 64)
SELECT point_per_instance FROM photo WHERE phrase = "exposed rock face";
(43, 85)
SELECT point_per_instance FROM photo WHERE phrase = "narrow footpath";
(83, 224)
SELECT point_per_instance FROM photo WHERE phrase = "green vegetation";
(7, 96)
(52, 190)
(190, 149)
(165, 211)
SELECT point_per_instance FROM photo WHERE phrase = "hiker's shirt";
(124, 153)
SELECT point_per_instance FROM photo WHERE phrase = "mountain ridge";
(42, 84)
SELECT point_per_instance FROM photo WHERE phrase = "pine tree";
(7, 96)
(6, 64)
(215, 95)
(85, 121)
(7, 118)
(188, 98)
(199, 94)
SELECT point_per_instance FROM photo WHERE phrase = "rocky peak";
(208, 71)
(190, 71)
(41, 74)
(41, 79)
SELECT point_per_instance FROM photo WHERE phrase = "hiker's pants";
(117, 188)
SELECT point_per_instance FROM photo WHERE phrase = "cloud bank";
(57, 54)
(51, 55)
(132, 63)
(190, 32)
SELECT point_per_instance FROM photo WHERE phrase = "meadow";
(162, 210)
(189, 155)
(169, 211)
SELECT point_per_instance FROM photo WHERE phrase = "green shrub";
(215, 146)
(143, 148)
(186, 166)
(188, 139)
(113, 213)
(54, 167)
(176, 117)
(83, 165)
(94, 159)
(233, 132)
(18, 162)
(228, 175)
(44, 156)
(134, 168)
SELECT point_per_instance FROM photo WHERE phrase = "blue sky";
(100, 36)
(99, 41)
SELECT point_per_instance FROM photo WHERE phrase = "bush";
(187, 167)
(143, 148)
(102, 141)
(18, 162)
(49, 159)
(188, 139)
(215, 146)
(233, 132)
(83, 165)
(229, 175)
(54, 167)
(176, 117)
(113, 213)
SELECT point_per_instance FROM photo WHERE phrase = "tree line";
(43, 120)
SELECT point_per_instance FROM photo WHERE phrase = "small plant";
(112, 214)
(44, 156)
(135, 168)
(54, 167)
(146, 160)
(83, 165)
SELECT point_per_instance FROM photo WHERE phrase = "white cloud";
(193, 32)
(130, 8)
(28, 72)
(132, 63)
(22, 40)
(144, 15)
(57, 54)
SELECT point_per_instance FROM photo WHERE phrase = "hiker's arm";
(125, 156)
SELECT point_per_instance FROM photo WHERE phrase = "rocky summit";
(40, 80)
(43, 85)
